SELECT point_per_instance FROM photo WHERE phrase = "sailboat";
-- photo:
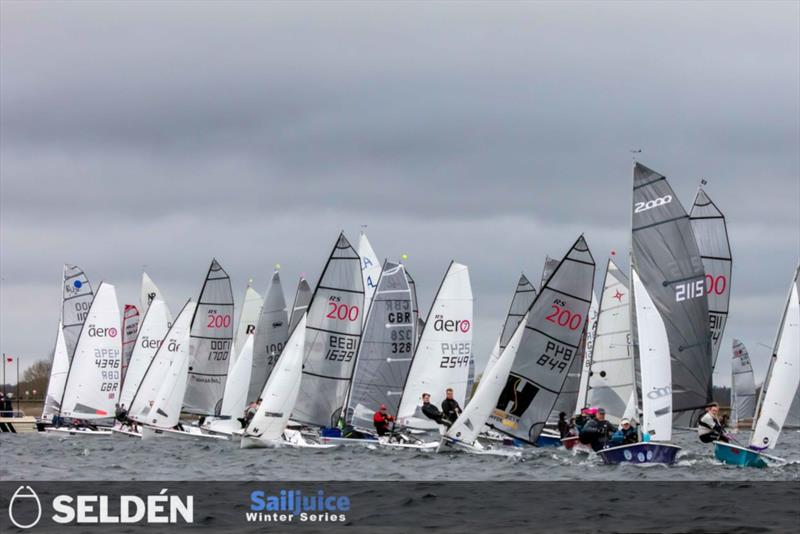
(302, 298)
(441, 359)
(333, 331)
(671, 335)
(370, 271)
(211, 344)
(149, 292)
(463, 434)
(383, 361)
(548, 347)
(271, 335)
(278, 398)
(248, 319)
(711, 232)
(76, 298)
(235, 400)
(93, 377)
(780, 388)
(130, 329)
(743, 386)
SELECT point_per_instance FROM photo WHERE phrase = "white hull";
(450, 445)
(126, 433)
(149, 432)
(380, 442)
(83, 432)
(290, 438)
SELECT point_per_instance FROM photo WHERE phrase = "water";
(43, 456)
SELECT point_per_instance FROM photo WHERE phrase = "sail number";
(455, 355)
(650, 204)
(556, 356)
(274, 351)
(220, 349)
(564, 318)
(342, 312)
(690, 290)
(81, 310)
(716, 284)
(218, 321)
(341, 348)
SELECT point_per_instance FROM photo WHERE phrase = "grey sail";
(568, 398)
(524, 296)
(77, 298)
(333, 331)
(667, 261)
(210, 343)
(301, 299)
(743, 385)
(414, 309)
(470, 377)
(548, 347)
(611, 376)
(793, 417)
(386, 350)
(550, 265)
(708, 224)
(272, 331)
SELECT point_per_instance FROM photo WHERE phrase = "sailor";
(564, 426)
(709, 427)
(625, 434)
(120, 413)
(450, 408)
(432, 412)
(381, 420)
(249, 413)
(597, 432)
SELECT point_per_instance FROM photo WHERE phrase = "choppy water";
(43, 456)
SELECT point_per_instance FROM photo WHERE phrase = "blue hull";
(546, 440)
(735, 455)
(640, 453)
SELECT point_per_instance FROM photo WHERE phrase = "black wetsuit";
(597, 433)
(432, 412)
(451, 410)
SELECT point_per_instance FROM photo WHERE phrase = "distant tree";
(36, 377)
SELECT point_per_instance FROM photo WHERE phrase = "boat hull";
(149, 432)
(291, 438)
(735, 455)
(82, 432)
(126, 433)
(18, 425)
(447, 445)
(640, 453)
(548, 440)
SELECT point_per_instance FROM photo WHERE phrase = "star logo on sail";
(618, 295)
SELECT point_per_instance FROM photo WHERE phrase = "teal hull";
(735, 455)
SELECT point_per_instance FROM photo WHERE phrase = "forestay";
(271, 334)
(711, 232)
(58, 378)
(611, 379)
(77, 297)
(667, 261)
(471, 421)
(210, 346)
(281, 390)
(154, 328)
(332, 335)
(549, 345)
(783, 376)
(743, 389)
(168, 350)
(386, 349)
(92, 385)
(370, 271)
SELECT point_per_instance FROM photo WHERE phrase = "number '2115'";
(690, 290)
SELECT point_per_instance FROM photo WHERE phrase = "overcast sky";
(167, 134)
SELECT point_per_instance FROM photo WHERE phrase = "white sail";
(130, 329)
(588, 347)
(280, 392)
(783, 377)
(248, 319)
(441, 360)
(210, 348)
(92, 385)
(654, 361)
(149, 292)
(235, 400)
(58, 378)
(173, 342)
(611, 379)
(155, 326)
(370, 271)
(166, 410)
(471, 421)
(271, 334)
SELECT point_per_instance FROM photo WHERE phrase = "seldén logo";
(25, 509)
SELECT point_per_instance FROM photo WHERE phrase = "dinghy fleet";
(315, 374)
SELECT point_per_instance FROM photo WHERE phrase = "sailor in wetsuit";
(450, 408)
(432, 412)
(709, 428)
